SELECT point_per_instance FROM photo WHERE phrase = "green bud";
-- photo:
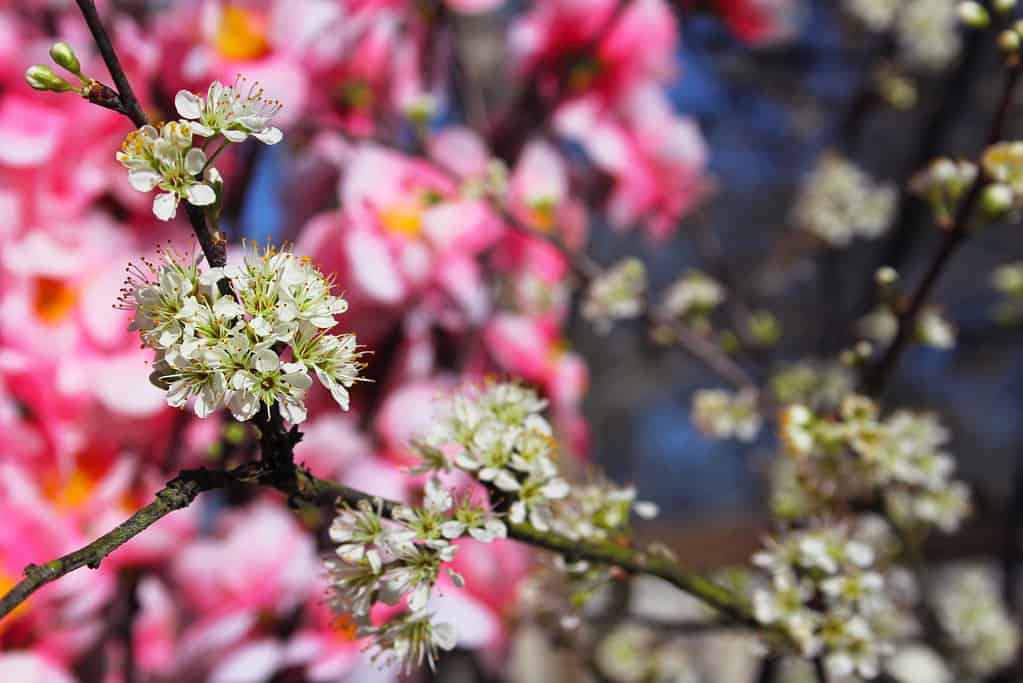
(973, 14)
(1004, 6)
(997, 200)
(64, 56)
(41, 77)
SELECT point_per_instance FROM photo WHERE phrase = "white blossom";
(165, 159)
(234, 111)
(839, 201)
(223, 346)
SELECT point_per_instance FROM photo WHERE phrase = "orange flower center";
(403, 218)
(242, 34)
(53, 299)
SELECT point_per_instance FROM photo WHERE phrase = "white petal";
(165, 205)
(244, 405)
(195, 159)
(188, 104)
(235, 135)
(144, 181)
(445, 636)
(269, 136)
(201, 195)
(266, 360)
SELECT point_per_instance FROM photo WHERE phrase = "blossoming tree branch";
(840, 584)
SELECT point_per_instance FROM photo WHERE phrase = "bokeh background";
(771, 86)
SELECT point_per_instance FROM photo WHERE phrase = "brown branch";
(179, 493)
(876, 376)
(301, 486)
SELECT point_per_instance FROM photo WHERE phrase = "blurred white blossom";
(838, 202)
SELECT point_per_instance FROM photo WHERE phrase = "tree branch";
(301, 486)
(179, 493)
(877, 375)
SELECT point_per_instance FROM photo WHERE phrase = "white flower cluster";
(498, 435)
(220, 334)
(926, 30)
(839, 202)
(856, 454)
(384, 559)
(163, 157)
(722, 414)
(695, 293)
(616, 294)
(968, 605)
(827, 597)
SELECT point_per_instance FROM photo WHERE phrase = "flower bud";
(1004, 6)
(973, 14)
(62, 54)
(886, 275)
(41, 77)
(1008, 41)
(997, 199)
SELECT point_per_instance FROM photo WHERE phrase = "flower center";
(241, 34)
(70, 493)
(356, 95)
(53, 299)
(541, 214)
(403, 218)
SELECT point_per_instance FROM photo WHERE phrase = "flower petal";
(165, 205)
(200, 194)
(188, 104)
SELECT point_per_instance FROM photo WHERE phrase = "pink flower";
(260, 561)
(404, 231)
(656, 158)
(591, 47)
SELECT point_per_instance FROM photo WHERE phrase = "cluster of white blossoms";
(828, 599)
(969, 607)
(498, 435)
(695, 293)
(163, 156)
(246, 336)
(385, 558)
(926, 31)
(723, 414)
(839, 202)
(616, 294)
(898, 460)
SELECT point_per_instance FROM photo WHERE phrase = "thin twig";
(877, 375)
(132, 107)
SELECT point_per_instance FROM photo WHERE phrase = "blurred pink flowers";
(439, 236)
